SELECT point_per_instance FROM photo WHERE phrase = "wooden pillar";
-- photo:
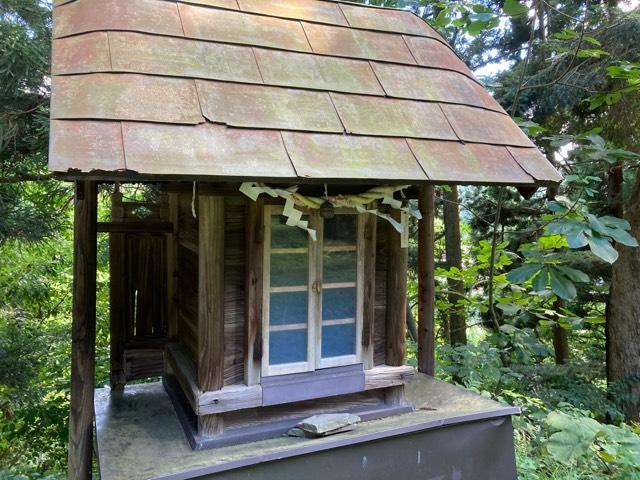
(396, 296)
(210, 303)
(369, 289)
(172, 268)
(117, 297)
(254, 234)
(83, 335)
(426, 281)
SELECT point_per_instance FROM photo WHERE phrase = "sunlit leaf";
(514, 8)
(523, 273)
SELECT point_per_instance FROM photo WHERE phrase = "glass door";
(339, 302)
(288, 338)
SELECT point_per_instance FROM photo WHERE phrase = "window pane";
(284, 236)
(340, 230)
(339, 267)
(338, 340)
(287, 346)
(289, 269)
(286, 308)
(338, 303)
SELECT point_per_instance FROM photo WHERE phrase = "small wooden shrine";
(287, 138)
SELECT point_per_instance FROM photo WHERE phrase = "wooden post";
(172, 269)
(396, 296)
(369, 289)
(210, 303)
(83, 334)
(117, 295)
(426, 281)
(254, 234)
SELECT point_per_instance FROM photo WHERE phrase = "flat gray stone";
(327, 423)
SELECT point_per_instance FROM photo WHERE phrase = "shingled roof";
(272, 90)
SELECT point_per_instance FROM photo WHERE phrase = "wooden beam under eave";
(426, 281)
(210, 302)
(83, 333)
(396, 311)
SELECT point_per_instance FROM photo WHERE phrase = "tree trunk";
(560, 337)
(615, 208)
(623, 315)
(456, 321)
(426, 282)
(560, 345)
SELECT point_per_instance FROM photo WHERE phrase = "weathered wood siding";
(187, 262)
(379, 329)
(234, 289)
(234, 284)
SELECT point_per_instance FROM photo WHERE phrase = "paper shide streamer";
(359, 202)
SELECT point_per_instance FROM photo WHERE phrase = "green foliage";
(629, 73)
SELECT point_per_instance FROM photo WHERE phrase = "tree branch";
(26, 178)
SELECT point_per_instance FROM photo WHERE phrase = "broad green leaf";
(514, 8)
(442, 20)
(566, 446)
(592, 53)
(574, 438)
(541, 281)
(523, 273)
(577, 239)
(596, 320)
(508, 329)
(623, 237)
(573, 274)
(509, 308)
(476, 27)
(565, 35)
(552, 242)
(601, 247)
(561, 285)
(592, 40)
(482, 17)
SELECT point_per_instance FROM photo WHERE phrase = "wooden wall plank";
(426, 281)
(397, 258)
(172, 268)
(234, 289)
(254, 234)
(188, 300)
(211, 294)
(369, 290)
(380, 327)
(83, 331)
(187, 223)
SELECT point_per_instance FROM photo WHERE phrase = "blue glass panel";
(338, 303)
(338, 340)
(284, 236)
(289, 269)
(339, 267)
(287, 346)
(340, 230)
(286, 308)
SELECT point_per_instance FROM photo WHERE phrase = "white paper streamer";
(358, 202)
